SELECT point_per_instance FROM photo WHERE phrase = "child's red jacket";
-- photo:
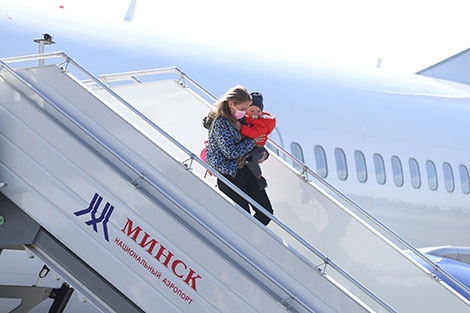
(263, 125)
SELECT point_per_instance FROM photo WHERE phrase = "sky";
(407, 35)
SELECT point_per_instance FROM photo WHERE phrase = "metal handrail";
(194, 157)
(305, 169)
(125, 76)
(32, 57)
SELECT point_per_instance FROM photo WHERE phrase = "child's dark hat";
(257, 99)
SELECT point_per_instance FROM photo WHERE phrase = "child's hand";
(265, 156)
(259, 139)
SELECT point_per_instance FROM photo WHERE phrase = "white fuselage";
(408, 116)
(416, 118)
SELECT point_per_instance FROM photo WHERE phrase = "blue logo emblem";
(104, 217)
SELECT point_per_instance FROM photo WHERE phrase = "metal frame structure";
(193, 157)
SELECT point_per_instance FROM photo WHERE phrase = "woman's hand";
(238, 125)
(259, 139)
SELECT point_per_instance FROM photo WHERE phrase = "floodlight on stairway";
(45, 41)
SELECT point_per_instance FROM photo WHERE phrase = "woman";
(227, 150)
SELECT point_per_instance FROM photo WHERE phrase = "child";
(258, 123)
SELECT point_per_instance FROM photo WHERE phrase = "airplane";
(394, 143)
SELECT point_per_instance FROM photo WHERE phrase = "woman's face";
(243, 106)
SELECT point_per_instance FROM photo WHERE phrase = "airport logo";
(104, 217)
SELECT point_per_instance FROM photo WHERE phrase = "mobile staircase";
(125, 214)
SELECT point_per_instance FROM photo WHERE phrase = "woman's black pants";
(245, 180)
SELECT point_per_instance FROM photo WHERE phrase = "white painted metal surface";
(51, 175)
(317, 216)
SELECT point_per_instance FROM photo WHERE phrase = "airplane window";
(464, 179)
(379, 169)
(361, 167)
(397, 171)
(296, 150)
(432, 175)
(448, 177)
(320, 160)
(415, 174)
(341, 166)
